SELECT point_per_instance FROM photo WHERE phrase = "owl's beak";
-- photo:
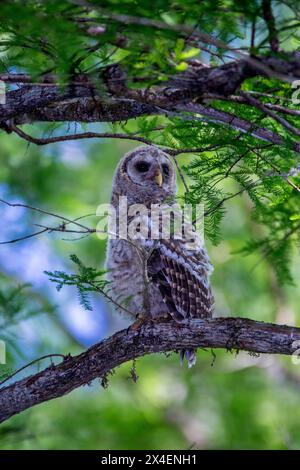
(158, 178)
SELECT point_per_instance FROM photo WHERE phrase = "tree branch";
(241, 100)
(83, 135)
(229, 333)
(81, 102)
(237, 123)
(269, 112)
(193, 34)
(271, 24)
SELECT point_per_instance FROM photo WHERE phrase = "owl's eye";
(165, 169)
(142, 167)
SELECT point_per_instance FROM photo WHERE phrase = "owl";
(161, 277)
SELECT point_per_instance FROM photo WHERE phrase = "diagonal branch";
(269, 112)
(237, 123)
(239, 99)
(153, 337)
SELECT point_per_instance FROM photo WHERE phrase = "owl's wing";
(182, 277)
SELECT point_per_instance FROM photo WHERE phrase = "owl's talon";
(141, 319)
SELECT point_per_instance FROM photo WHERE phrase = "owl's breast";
(127, 282)
(125, 275)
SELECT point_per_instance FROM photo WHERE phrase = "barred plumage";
(176, 280)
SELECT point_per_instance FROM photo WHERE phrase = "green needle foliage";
(249, 186)
(86, 281)
(155, 44)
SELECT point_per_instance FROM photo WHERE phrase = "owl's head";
(145, 175)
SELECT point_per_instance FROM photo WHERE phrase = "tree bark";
(81, 100)
(229, 333)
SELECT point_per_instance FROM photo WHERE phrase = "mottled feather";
(178, 275)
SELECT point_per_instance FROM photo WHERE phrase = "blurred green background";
(231, 401)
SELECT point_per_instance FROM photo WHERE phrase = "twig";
(186, 30)
(47, 356)
(25, 237)
(242, 100)
(43, 211)
(278, 172)
(269, 112)
(181, 174)
(235, 122)
(83, 135)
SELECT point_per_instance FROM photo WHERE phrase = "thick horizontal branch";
(87, 109)
(229, 333)
(81, 101)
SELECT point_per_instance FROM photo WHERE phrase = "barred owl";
(173, 279)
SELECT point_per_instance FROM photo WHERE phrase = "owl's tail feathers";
(190, 355)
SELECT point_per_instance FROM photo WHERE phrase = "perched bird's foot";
(141, 320)
(163, 318)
